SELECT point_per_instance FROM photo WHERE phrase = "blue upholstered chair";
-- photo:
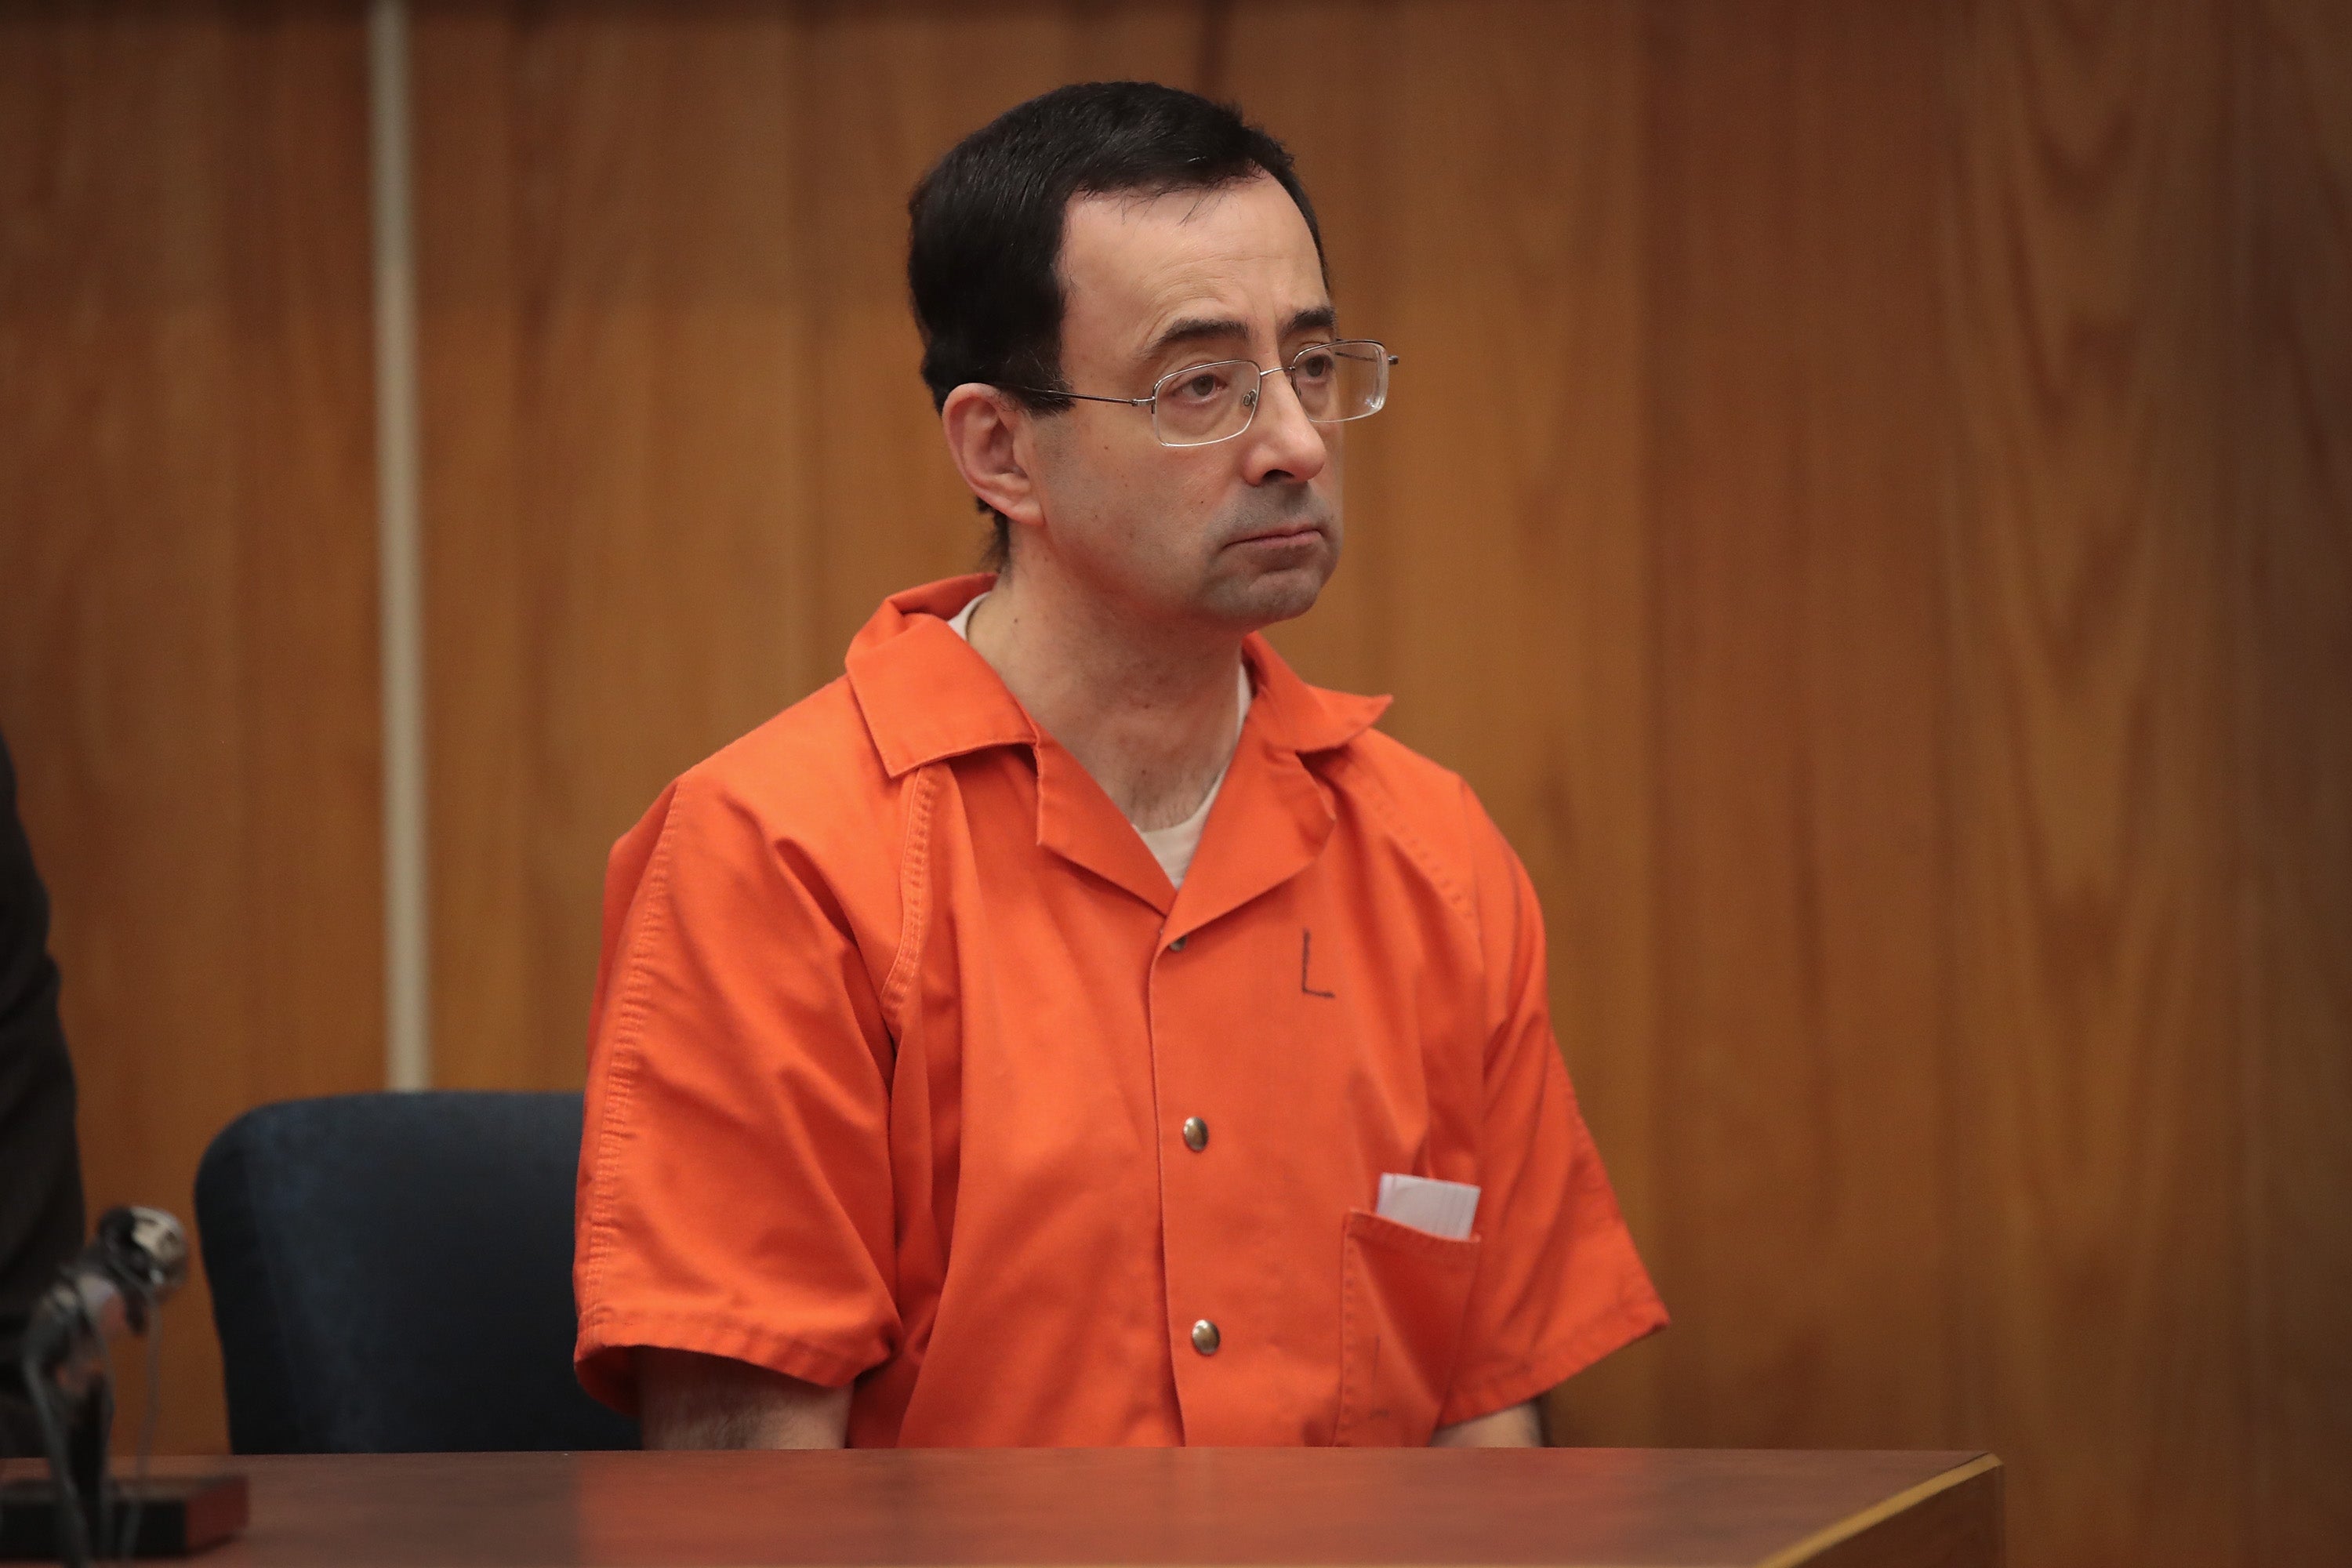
(392, 1273)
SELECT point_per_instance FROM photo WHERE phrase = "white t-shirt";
(1173, 847)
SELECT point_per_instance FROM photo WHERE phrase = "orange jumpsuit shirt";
(898, 1027)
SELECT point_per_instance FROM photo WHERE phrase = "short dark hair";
(986, 225)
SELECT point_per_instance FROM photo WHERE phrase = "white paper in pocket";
(1441, 1208)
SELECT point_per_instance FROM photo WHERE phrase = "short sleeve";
(735, 1194)
(1558, 1284)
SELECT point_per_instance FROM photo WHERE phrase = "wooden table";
(1564, 1506)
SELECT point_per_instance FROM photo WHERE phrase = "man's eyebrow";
(1207, 329)
(1315, 319)
(1195, 329)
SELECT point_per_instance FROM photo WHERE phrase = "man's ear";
(990, 441)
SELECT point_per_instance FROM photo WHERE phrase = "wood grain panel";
(613, 360)
(1798, 471)
(187, 611)
(2097, 924)
(2294, 530)
(1478, 172)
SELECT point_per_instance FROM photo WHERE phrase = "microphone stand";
(115, 1287)
(74, 1430)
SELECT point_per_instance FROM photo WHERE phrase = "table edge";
(1823, 1539)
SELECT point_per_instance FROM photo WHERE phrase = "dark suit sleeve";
(40, 1169)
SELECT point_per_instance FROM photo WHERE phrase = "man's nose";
(1282, 440)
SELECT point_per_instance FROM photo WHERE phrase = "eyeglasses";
(1204, 403)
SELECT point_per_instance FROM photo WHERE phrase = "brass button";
(1196, 1134)
(1178, 945)
(1205, 1338)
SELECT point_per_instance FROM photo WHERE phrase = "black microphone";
(136, 1259)
(112, 1287)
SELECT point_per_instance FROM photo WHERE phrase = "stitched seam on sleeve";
(914, 899)
(629, 1013)
(734, 1338)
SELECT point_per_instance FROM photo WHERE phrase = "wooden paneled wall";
(1868, 502)
(187, 579)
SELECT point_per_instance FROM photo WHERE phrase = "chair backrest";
(392, 1273)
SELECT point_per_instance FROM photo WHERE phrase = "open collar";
(926, 696)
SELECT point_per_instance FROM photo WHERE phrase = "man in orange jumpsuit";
(1070, 1027)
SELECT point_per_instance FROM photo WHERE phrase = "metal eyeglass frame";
(1250, 399)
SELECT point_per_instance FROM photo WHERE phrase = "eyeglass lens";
(1204, 403)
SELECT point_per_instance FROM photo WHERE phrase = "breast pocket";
(1403, 1296)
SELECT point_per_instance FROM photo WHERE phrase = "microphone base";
(179, 1516)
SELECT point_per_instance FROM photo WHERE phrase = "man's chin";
(1273, 591)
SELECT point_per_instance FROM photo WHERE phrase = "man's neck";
(1149, 710)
